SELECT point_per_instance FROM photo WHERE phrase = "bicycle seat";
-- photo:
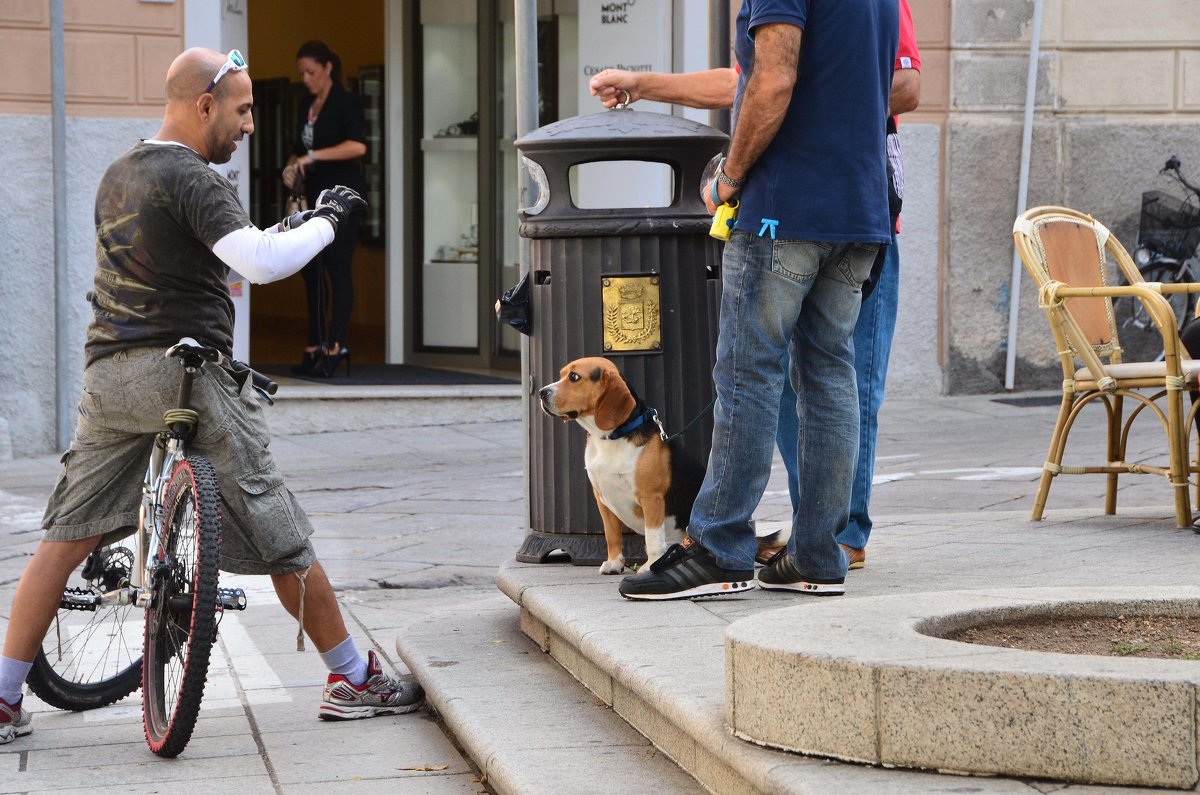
(189, 347)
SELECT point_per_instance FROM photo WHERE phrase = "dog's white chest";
(611, 465)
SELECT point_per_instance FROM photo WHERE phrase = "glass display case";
(370, 94)
(277, 103)
(449, 168)
(465, 172)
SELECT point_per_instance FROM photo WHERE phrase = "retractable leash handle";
(724, 217)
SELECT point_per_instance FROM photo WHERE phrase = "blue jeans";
(872, 347)
(776, 292)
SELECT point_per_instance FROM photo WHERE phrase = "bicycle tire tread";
(171, 739)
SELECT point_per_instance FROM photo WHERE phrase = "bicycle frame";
(167, 452)
(163, 458)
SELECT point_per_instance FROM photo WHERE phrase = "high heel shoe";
(309, 363)
(334, 360)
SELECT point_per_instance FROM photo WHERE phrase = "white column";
(394, 109)
(221, 26)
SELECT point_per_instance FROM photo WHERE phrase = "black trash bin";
(640, 285)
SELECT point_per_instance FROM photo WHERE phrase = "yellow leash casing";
(722, 223)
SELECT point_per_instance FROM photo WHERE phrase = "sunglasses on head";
(234, 63)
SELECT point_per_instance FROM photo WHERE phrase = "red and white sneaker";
(379, 695)
(14, 721)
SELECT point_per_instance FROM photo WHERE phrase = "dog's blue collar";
(630, 425)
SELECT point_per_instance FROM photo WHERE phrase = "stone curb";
(521, 718)
(662, 668)
(860, 681)
(320, 409)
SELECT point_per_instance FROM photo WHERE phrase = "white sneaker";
(379, 695)
(14, 721)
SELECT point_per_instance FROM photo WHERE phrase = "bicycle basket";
(1168, 225)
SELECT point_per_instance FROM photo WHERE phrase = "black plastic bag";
(515, 308)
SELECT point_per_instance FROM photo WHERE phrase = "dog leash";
(662, 432)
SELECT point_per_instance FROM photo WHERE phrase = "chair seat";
(1131, 370)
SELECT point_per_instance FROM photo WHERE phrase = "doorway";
(463, 247)
(276, 29)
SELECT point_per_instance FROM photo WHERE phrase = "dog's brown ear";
(615, 403)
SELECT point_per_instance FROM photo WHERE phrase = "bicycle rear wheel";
(181, 622)
(91, 658)
(1132, 313)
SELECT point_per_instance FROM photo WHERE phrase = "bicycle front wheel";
(91, 657)
(181, 622)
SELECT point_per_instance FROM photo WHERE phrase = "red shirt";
(908, 55)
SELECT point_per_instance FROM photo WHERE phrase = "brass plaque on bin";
(632, 314)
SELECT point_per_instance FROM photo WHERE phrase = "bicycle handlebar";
(264, 383)
(259, 380)
(1174, 167)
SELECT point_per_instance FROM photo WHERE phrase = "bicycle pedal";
(231, 598)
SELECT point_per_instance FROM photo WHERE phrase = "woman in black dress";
(332, 138)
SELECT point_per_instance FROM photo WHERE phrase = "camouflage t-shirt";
(159, 211)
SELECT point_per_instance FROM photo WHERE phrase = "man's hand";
(337, 203)
(290, 172)
(615, 87)
(724, 193)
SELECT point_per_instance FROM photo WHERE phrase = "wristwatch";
(736, 184)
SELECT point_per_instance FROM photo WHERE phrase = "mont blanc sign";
(633, 35)
(622, 34)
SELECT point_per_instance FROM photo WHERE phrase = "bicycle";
(1167, 248)
(88, 658)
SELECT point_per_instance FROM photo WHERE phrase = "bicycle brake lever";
(262, 395)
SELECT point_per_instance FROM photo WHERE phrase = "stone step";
(303, 407)
(521, 718)
(663, 668)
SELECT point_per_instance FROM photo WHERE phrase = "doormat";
(1029, 401)
(390, 375)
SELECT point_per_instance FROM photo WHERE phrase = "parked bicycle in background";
(1167, 246)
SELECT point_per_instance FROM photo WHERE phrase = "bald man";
(168, 230)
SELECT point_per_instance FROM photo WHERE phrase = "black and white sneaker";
(782, 574)
(685, 571)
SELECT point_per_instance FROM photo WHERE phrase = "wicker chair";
(1064, 252)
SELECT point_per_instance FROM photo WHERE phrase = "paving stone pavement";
(412, 520)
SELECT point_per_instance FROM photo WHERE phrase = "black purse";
(515, 307)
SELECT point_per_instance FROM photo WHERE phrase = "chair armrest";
(1157, 307)
(1174, 287)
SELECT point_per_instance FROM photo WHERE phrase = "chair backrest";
(1058, 244)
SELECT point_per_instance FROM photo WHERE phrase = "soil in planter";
(1122, 636)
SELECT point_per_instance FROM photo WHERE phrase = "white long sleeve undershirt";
(265, 256)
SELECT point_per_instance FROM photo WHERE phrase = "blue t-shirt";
(824, 176)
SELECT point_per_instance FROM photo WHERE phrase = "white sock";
(12, 676)
(345, 660)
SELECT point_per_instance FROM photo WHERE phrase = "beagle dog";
(639, 481)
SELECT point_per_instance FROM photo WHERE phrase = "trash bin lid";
(618, 135)
(622, 130)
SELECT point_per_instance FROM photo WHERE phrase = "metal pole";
(58, 137)
(527, 122)
(1014, 290)
(718, 54)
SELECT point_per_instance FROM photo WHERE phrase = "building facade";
(1118, 92)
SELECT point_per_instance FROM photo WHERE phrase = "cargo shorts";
(263, 528)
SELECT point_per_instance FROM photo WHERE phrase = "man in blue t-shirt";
(807, 162)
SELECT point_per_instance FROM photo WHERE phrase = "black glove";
(337, 203)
